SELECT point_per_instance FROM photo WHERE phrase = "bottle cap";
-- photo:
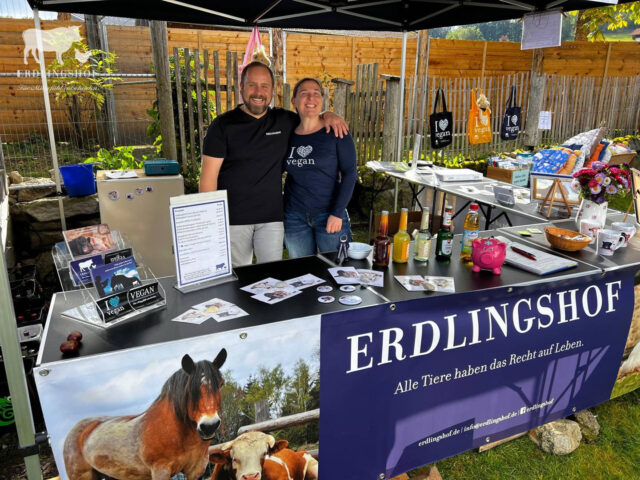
(474, 206)
(404, 209)
(385, 212)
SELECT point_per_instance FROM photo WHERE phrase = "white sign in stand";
(200, 228)
(541, 30)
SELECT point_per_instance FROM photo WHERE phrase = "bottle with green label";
(444, 244)
(422, 248)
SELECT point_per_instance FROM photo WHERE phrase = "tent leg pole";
(15, 373)
(47, 110)
(401, 103)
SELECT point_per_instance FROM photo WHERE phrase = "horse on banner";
(171, 436)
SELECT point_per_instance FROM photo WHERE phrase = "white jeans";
(265, 239)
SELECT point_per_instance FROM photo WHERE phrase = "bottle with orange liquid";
(401, 240)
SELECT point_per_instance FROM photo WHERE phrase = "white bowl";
(358, 251)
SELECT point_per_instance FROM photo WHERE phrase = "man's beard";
(256, 109)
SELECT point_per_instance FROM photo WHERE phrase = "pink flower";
(595, 190)
(593, 183)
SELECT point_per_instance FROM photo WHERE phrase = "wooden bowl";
(564, 239)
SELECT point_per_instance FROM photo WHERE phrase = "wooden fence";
(322, 56)
(590, 91)
(582, 103)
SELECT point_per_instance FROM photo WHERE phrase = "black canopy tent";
(383, 15)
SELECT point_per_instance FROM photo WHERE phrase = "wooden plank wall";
(318, 56)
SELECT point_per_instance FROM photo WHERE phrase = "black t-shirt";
(253, 150)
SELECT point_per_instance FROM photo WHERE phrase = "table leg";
(487, 219)
(395, 196)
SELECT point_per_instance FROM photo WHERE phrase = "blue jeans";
(305, 234)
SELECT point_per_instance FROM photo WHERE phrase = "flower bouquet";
(597, 185)
(601, 183)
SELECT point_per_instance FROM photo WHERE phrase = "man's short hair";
(251, 65)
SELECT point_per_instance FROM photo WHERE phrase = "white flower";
(575, 185)
(606, 181)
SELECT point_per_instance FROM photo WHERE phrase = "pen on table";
(528, 255)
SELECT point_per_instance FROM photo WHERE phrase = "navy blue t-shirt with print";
(313, 164)
(251, 172)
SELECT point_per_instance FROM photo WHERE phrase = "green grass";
(615, 454)
(618, 36)
(626, 384)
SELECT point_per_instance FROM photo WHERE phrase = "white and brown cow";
(258, 456)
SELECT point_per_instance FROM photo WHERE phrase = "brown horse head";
(194, 391)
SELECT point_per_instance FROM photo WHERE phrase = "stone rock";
(45, 266)
(560, 437)
(44, 240)
(41, 226)
(46, 209)
(14, 177)
(30, 194)
(433, 474)
(589, 425)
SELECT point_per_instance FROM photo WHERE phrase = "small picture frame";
(542, 183)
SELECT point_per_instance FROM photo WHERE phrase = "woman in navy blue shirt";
(321, 174)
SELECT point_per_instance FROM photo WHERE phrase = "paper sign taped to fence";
(200, 228)
(544, 121)
(541, 30)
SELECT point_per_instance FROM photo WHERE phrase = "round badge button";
(324, 288)
(348, 288)
(326, 299)
(350, 300)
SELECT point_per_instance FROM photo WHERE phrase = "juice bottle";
(470, 233)
(422, 248)
(382, 243)
(401, 240)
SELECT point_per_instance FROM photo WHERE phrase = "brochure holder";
(90, 310)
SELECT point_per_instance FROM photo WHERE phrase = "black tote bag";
(511, 119)
(440, 123)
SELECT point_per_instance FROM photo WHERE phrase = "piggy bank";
(488, 253)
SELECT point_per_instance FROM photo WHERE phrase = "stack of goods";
(579, 152)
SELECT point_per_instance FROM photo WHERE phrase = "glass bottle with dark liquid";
(382, 243)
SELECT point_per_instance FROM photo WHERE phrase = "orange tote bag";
(479, 123)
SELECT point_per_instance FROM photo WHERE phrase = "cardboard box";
(519, 176)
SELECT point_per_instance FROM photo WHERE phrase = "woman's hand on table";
(336, 123)
(334, 224)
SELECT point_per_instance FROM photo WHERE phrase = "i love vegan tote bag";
(479, 123)
(440, 123)
(511, 119)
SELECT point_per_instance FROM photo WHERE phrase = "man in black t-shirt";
(243, 153)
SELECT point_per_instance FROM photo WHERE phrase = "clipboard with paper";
(542, 263)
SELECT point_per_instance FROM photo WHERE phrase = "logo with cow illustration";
(58, 40)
